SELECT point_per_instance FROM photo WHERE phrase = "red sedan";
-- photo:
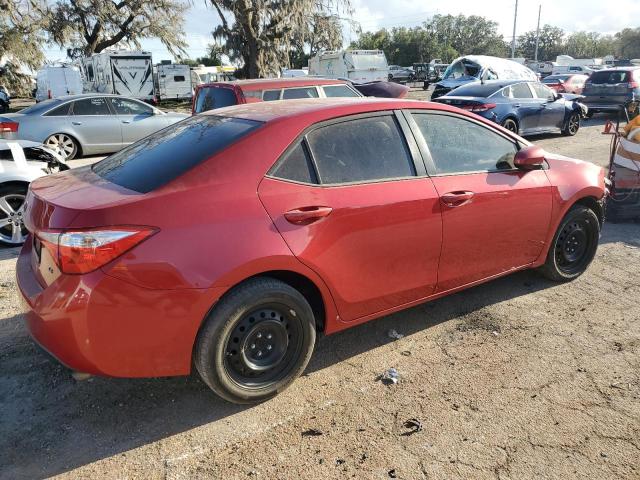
(228, 240)
(566, 83)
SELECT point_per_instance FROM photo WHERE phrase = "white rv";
(359, 66)
(120, 72)
(57, 81)
(174, 81)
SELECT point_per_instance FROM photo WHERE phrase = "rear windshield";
(214, 97)
(42, 106)
(611, 77)
(163, 156)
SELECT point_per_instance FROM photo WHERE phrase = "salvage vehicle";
(472, 68)
(226, 242)
(87, 124)
(566, 83)
(526, 108)
(612, 90)
(224, 94)
(21, 162)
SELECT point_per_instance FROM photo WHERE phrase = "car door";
(95, 126)
(553, 110)
(495, 218)
(353, 203)
(527, 107)
(137, 119)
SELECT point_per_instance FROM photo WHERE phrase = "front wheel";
(256, 341)
(574, 245)
(573, 125)
(511, 125)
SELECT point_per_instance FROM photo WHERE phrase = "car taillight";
(9, 127)
(83, 251)
(633, 84)
(483, 107)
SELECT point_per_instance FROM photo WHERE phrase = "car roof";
(267, 83)
(318, 108)
(65, 98)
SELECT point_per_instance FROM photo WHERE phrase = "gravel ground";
(519, 378)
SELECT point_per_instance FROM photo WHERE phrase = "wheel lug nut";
(253, 346)
(259, 353)
(269, 336)
(259, 335)
(269, 347)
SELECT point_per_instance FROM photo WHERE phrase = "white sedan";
(21, 162)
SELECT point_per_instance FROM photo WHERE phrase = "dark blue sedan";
(526, 108)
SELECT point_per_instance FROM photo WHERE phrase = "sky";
(570, 15)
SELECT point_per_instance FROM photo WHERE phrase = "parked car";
(401, 74)
(21, 162)
(525, 108)
(87, 124)
(566, 83)
(472, 68)
(224, 94)
(5, 101)
(612, 89)
(228, 240)
(382, 89)
(573, 69)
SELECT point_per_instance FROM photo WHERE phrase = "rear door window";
(163, 156)
(521, 90)
(126, 106)
(293, 93)
(296, 165)
(61, 111)
(270, 95)
(91, 106)
(210, 98)
(339, 91)
(366, 149)
(542, 91)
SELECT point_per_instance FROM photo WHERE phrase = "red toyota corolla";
(228, 240)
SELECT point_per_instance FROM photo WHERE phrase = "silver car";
(87, 124)
(21, 162)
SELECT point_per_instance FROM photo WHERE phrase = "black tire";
(4, 107)
(262, 314)
(589, 115)
(390, 77)
(572, 126)
(511, 125)
(574, 245)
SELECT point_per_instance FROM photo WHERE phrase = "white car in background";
(21, 162)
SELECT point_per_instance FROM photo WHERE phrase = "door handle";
(517, 105)
(126, 121)
(456, 199)
(76, 123)
(307, 215)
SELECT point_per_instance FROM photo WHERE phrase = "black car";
(612, 90)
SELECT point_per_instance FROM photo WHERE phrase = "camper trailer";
(174, 82)
(120, 72)
(359, 66)
(56, 81)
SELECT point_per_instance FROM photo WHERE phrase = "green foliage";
(589, 45)
(550, 46)
(21, 36)
(628, 43)
(212, 59)
(91, 26)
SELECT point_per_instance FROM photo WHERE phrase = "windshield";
(41, 107)
(462, 68)
(214, 97)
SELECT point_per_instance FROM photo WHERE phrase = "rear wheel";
(63, 144)
(573, 125)
(256, 341)
(574, 245)
(12, 229)
(511, 125)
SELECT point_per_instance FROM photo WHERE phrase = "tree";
(212, 59)
(21, 37)
(472, 35)
(628, 43)
(91, 26)
(589, 45)
(322, 32)
(261, 33)
(550, 46)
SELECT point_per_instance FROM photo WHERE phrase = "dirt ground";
(519, 378)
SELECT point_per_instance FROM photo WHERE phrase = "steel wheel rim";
(62, 144)
(574, 124)
(573, 246)
(248, 360)
(12, 229)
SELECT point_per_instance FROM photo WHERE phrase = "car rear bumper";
(101, 325)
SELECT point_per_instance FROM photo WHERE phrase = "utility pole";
(513, 41)
(538, 31)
